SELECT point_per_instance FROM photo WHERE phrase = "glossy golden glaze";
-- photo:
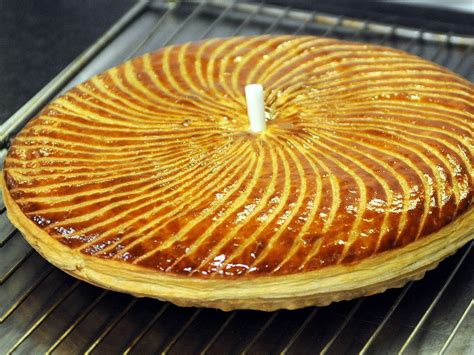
(367, 149)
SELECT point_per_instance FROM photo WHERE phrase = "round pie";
(146, 179)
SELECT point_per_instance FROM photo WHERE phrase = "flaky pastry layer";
(373, 275)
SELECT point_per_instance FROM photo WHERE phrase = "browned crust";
(373, 275)
(317, 188)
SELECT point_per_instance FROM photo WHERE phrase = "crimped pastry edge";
(375, 274)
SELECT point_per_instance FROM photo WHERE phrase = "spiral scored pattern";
(151, 163)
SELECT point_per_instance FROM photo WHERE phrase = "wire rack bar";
(178, 334)
(386, 36)
(248, 19)
(260, 332)
(350, 24)
(219, 19)
(456, 328)
(349, 316)
(7, 236)
(15, 267)
(332, 28)
(414, 40)
(110, 326)
(435, 300)
(298, 332)
(360, 31)
(149, 36)
(305, 23)
(385, 319)
(78, 320)
(464, 58)
(25, 295)
(45, 315)
(218, 333)
(183, 24)
(437, 53)
(55, 85)
(6, 228)
(469, 68)
(146, 328)
(276, 22)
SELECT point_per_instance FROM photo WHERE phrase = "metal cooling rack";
(43, 310)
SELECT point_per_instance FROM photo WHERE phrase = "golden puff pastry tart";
(146, 179)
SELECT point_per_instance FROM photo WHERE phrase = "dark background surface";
(39, 38)
(407, 13)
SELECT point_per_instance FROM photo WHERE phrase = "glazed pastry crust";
(393, 268)
(145, 179)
